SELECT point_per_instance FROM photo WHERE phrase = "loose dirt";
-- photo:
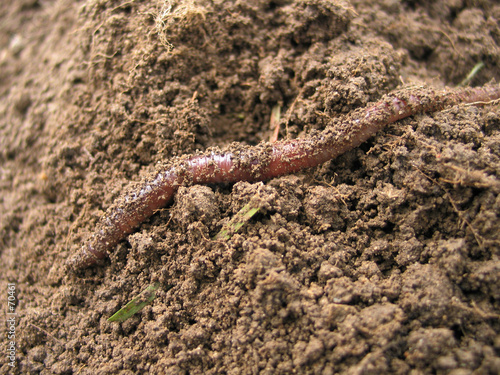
(384, 260)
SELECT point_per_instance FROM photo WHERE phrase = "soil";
(384, 260)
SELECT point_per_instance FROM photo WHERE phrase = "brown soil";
(385, 260)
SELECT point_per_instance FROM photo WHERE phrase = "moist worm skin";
(263, 162)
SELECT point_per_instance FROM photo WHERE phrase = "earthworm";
(264, 161)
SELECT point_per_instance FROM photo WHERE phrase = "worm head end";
(85, 258)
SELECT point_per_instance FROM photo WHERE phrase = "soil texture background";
(384, 260)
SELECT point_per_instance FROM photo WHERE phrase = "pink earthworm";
(264, 161)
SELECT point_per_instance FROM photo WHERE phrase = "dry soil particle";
(384, 260)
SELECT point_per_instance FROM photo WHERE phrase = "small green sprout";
(237, 221)
(472, 74)
(136, 304)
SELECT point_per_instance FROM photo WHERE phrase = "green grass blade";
(472, 74)
(237, 221)
(136, 304)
